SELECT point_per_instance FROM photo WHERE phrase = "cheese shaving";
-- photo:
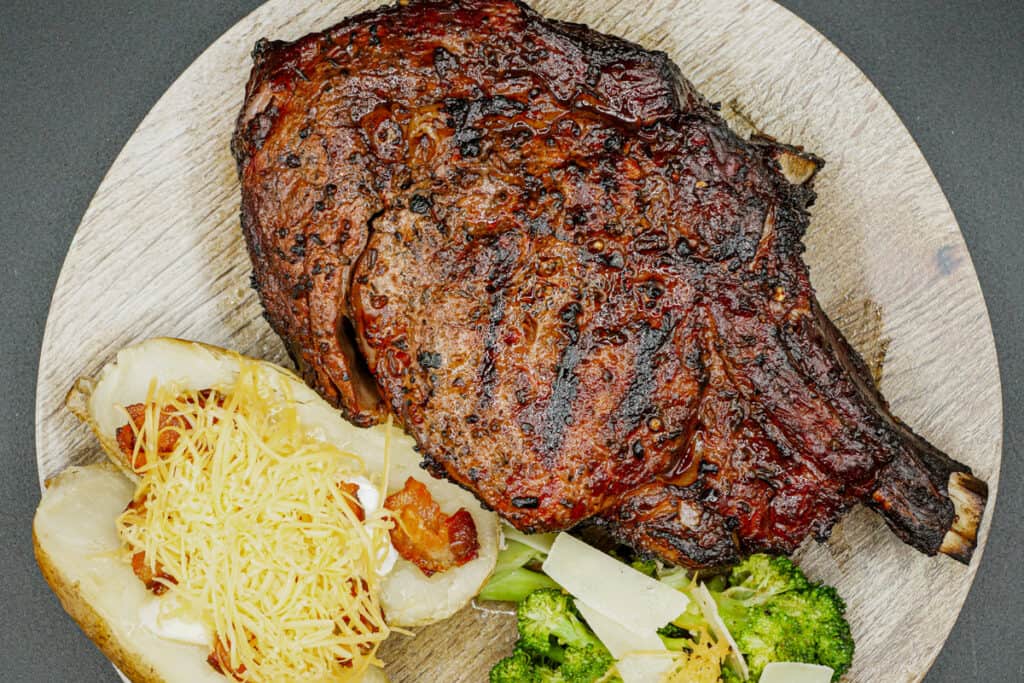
(265, 548)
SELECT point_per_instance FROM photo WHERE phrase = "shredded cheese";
(264, 547)
(700, 664)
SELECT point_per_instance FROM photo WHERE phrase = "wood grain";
(159, 252)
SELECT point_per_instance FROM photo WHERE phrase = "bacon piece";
(169, 427)
(220, 660)
(462, 536)
(149, 575)
(167, 436)
(430, 539)
(365, 646)
(351, 491)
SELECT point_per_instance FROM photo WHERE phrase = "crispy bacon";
(430, 539)
(364, 619)
(169, 427)
(149, 575)
(167, 436)
(220, 660)
(351, 491)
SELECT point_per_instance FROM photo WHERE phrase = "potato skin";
(129, 661)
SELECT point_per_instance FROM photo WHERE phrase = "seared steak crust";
(545, 253)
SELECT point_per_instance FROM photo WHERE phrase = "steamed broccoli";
(585, 664)
(776, 615)
(772, 611)
(548, 624)
(768, 575)
(580, 666)
(756, 581)
(647, 567)
(800, 626)
(516, 668)
(555, 646)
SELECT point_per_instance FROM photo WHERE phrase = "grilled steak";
(545, 253)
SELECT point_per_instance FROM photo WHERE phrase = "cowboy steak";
(546, 254)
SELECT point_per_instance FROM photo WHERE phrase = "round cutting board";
(160, 252)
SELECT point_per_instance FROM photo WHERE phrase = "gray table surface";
(76, 78)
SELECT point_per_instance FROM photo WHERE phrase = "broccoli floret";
(585, 664)
(547, 622)
(770, 636)
(648, 567)
(773, 612)
(554, 646)
(756, 581)
(516, 668)
(524, 667)
(765, 577)
(824, 631)
(788, 619)
(546, 675)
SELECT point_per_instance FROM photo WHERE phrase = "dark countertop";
(76, 79)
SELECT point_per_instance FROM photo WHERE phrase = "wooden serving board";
(160, 252)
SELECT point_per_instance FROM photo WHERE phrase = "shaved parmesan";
(619, 640)
(644, 667)
(793, 672)
(619, 592)
(702, 596)
(642, 656)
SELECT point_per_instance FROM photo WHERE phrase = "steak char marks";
(545, 253)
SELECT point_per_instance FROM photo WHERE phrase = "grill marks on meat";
(546, 254)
